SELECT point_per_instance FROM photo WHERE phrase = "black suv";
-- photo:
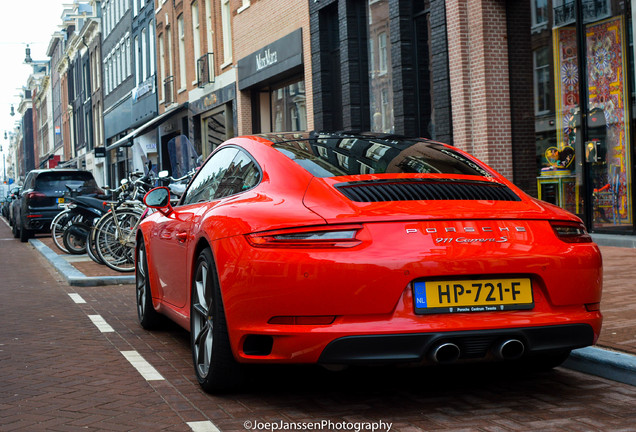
(41, 195)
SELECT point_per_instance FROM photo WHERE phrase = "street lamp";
(28, 58)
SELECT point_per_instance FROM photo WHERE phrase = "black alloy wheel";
(148, 317)
(25, 234)
(216, 369)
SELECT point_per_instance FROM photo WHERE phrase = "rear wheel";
(25, 234)
(214, 364)
(74, 239)
(15, 230)
(545, 362)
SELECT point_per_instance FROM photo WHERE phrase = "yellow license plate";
(60, 200)
(472, 295)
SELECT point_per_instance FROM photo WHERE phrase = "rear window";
(55, 182)
(331, 157)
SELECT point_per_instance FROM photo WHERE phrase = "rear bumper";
(473, 345)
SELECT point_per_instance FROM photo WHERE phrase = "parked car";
(41, 194)
(363, 249)
(13, 195)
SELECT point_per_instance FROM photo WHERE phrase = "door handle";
(182, 236)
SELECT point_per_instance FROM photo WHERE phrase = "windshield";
(56, 182)
(183, 156)
(329, 156)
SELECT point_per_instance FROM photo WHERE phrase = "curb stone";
(73, 276)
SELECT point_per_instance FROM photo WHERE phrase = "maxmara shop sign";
(272, 60)
(265, 59)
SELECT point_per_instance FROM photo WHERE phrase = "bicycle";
(113, 236)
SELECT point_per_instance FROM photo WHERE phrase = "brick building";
(273, 54)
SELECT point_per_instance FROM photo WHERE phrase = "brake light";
(34, 195)
(324, 237)
(571, 232)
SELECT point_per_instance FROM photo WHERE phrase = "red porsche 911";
(363, 249)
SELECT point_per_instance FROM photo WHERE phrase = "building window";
(135, 7)
(539, 12)
(162, 65)
(151, 49)
(182, 62)
(196, 35)
(144, 55)
(380, 79)
(382, 53)
(542, 80)
(208, 24)
(136, 50)
(227, 31)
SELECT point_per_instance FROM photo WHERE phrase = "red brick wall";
(480, 94)
(262, 23)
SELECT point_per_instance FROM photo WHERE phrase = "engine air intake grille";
(379, 191)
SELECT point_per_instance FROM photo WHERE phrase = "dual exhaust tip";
(448, 352)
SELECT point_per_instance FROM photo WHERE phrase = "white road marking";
(203, 426)
(101, 324)
(76, 298)
(143, 367)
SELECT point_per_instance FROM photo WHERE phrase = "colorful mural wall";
(608, 147)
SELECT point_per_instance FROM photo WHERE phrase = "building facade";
(272, 50)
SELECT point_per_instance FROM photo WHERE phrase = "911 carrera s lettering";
(445, 240)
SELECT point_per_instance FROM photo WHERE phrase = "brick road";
(59, 372)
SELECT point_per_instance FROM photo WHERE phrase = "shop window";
(289, 107)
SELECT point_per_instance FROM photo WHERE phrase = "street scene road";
(75, 358)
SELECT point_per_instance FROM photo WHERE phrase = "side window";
(205, 184)
(28, 182)
(242, 174)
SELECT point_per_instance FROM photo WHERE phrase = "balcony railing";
(168, 90)
(564, 14)
(205, 70)
(593, 10)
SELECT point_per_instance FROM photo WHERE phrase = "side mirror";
(159, 198)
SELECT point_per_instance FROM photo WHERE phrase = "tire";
(58, 226)
(15, 230)
(214, 365)
(91, 247)
(117, 253)
(74, 242)
(545, 362)
(148, 317)
(25, 234)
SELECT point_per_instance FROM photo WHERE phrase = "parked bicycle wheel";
(74, 238)
(58, 226)
(91, 247)
(115, 240)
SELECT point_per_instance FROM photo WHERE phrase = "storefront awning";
(151, 124)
